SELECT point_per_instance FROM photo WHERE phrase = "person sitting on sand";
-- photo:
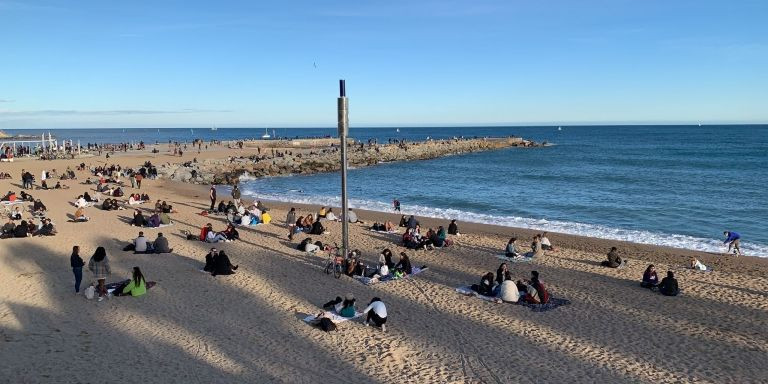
(438, 239)
(386, 258)
(412, 222)
(377, 314)
(404, 265)
(299, 225)
(650, 278)
(352, 216)
(345, 307)
(222, 265)
(536, 249)
(321, 213)
(140, 243)
(453, 229)
(266, 218)
(117, 192)
(317, 228)
(512, 250)
(215, 237)
(60, 186)
(80, 215)
(508, 291)
(403, 221)
(138, 219)
(134, 199)
(47, 228)
(485, 287)
(16, 214)
(137, 286)
(222, 207)
(8, 228)
(165, 219)
(161, 245)
(546, 245)
(154, 220)
(38, 207)
(89, 199)
(10, 196)
(410, 240)
(309, 220)
(531, 294)
(614, 260)
(21, 230)
(231, 233)
(697, 265)
(668, 285)
(80, 202)
(330, 216)
(541, 290)
(209, 258)
(306, 245)
(500, 272)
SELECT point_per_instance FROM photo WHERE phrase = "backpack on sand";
(327, 325)
(90, 292)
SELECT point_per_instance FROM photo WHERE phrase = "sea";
(676, 185)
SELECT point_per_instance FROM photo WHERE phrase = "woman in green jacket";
(137, 286)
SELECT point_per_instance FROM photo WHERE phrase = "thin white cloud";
(6, 101)
(115, 112)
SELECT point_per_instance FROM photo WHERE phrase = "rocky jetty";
(306, 157)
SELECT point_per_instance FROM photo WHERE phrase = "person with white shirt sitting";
(80, 202)
(377, 314)
(140, 243)
(508, 292)
(546, 244)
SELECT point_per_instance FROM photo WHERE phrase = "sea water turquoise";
(679, 186)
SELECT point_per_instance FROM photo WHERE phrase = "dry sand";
(246, 328)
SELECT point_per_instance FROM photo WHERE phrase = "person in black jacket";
(77, 264)
(209, 260)
(453, 229)
(668, 285)
(404, 264)
(485, 287)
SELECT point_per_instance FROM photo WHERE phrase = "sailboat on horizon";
(213, 128)
(266, 134)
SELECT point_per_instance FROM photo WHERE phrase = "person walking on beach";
(212, 195)
(396, 205)
(732, 239)
(77, 264)
(236, 195)
(133, 180)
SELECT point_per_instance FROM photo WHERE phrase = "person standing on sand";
(77, 264)
(732, 239)
(290, 221)
(236, 195)
(396, 205)
(212, 195)
(133, 180)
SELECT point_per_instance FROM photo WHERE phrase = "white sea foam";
(591, 230)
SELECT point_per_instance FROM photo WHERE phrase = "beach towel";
(393, 232)
(334, 317)
(467, 291)
(552, 304)
(519, 259)
(112, 286)
(388, 278)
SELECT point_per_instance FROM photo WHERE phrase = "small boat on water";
(213, 128)
(266, 134)
(559, 128)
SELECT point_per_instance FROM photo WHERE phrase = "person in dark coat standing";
(77, 264)
(212, 195)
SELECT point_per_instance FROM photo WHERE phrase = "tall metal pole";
(343, 108)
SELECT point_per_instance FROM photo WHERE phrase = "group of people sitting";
(85, 200)
(142, 245)
(157, 219)
(668, 285)
(413, 239)
(502, 287)
(111, 205)
(136, 198)
(28, 228)
(376, 312)
(385, 269)
(539, 244)
(218, 263)
(238, 214)
(208, 235)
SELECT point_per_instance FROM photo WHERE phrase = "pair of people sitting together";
(208, 235)
(142, 245)
(158, 218)
(218, 263)
(138, 199)
(667, 287)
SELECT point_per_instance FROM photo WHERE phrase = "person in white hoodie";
(508, 292)
(377, 313)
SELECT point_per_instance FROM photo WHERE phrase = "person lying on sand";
(345, 307)
(697, 265)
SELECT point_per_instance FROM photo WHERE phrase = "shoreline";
(649, 252)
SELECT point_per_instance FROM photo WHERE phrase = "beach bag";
(90, 292)
(327, 325)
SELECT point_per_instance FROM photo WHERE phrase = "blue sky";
(251, 64)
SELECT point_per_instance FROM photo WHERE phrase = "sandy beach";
(247, 327)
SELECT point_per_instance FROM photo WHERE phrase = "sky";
(167, 63)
